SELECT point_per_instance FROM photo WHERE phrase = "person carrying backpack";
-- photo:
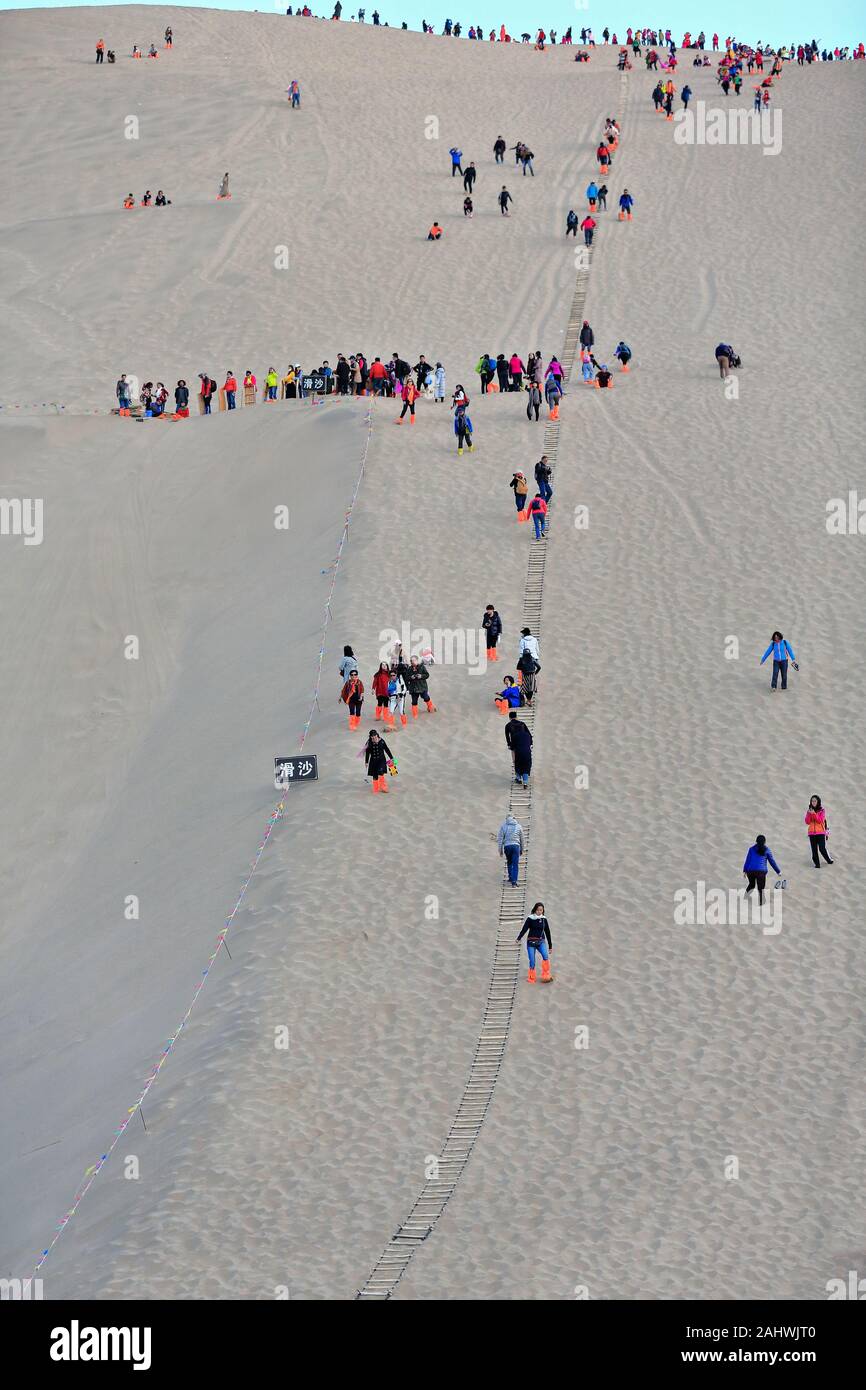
(571, 222)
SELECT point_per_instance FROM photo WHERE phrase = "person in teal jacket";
(782, 650)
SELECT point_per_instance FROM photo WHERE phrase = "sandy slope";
(603, 1167)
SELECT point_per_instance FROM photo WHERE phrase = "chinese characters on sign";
(300, 769)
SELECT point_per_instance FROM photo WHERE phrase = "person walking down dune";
(626, 203)
(755, 867)
(469, 177)
(536, 929)
(571, 222)
(781, 650)
(409, 395)
(818, 830)
(463, 429)
(293, 92)
(224, 188)
(378, 759)
(533, 400)
(417, 677)
(511, 843)
(499, 150)
(380, 683)
(397, 692)
(491, 624)
(504, 199)
(352, 695)
(519, 740)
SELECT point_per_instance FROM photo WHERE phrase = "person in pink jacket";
(816, 824)
(516, 368)
(537, 509)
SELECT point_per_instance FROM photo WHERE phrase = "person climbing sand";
(511, 843)
(521, 488)
(293, 92)
(818, 830)
(352, 696)
(348, 664)
(755, 867)
(224, 188)
(519, 740)
(626, 203)
(571, 222)
(435, 232)
(378, 759)
(536, 929)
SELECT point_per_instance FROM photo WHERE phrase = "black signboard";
(314, 384)
(303, 768)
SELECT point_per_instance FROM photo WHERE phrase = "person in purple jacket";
(755, 867)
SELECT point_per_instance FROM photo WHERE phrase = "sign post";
(289, 771)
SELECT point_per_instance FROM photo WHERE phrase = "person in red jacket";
(381, 682)
(588, 226)
(230, 386)
(378, 377)
(818, 829)
(537, 509)
(409, 395)
(207, 389)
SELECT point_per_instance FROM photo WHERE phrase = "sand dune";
(259, 1169)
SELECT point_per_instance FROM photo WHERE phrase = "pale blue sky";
(830, 22)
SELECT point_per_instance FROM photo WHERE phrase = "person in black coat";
(519, 740)
(181, 395)
(587, 337)
(492, 625)
(377, 755)
(536, 929)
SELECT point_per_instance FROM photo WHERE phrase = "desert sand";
(600, 1169)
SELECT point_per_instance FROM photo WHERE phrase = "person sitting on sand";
(467, 207)
(129, 201)
(509, 697)
(161, 200)
(152, 53)
(435, 232)
(147, 199)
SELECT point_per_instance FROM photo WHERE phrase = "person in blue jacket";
(782, 650)
(463, 428)
(623, 352)
(592, 194)
(509, 698)
(755, 867)
(686, 95)
(456, 156)
(626, 203)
